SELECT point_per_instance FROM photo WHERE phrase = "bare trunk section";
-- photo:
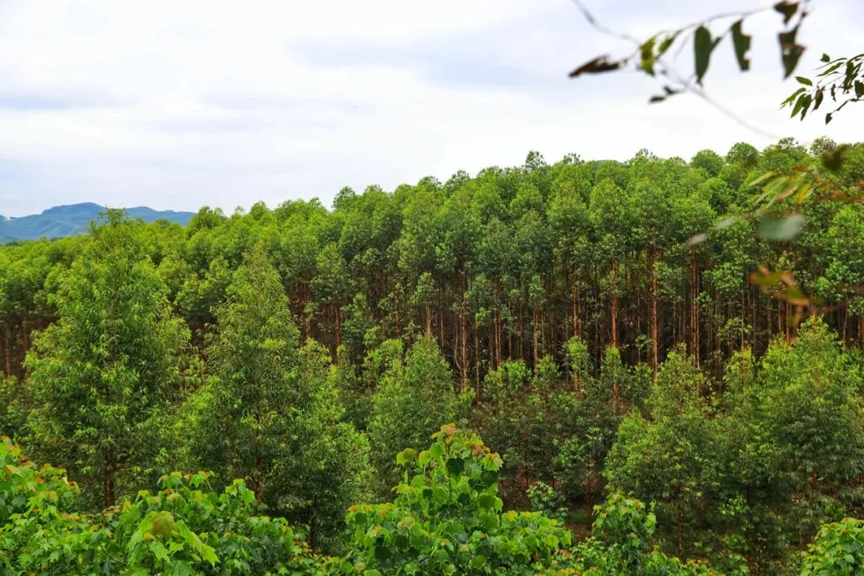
(108, 480)
(655, 329)
(536, 346)
(7, 347)
(464, 321)
(614, 304)
(577, 325)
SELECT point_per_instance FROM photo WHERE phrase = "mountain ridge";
(72, 219)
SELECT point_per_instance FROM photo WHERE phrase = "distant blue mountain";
(73, 219)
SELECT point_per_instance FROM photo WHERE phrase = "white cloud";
(184, 103)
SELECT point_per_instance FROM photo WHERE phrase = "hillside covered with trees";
(664, 382)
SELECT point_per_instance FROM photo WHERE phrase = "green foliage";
(245, 405)
(841, 79)
(547, 501)
(104, 373)
(838, 550)
(621, 545)
(412, 400)
(182, 529)
(665, 457)
(271, 413)
(448, 519)
(15, 401)
(534, 303)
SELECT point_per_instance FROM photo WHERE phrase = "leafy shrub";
(447, 519)
(621, 546)
(38, 534)
(838, 550)
(182, 529)
(187, 529)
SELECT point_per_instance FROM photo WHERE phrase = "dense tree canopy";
(634, 342)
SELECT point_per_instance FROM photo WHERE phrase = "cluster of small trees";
(557, 311)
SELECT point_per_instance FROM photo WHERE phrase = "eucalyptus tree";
(663, 456)
(104, 375)
(610, 218)
(242, 416)
(415, 398)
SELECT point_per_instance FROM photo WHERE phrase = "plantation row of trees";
(558, 312)
(511, 263)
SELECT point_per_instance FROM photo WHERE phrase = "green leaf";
(382, 552)
(817, 99)
(646, 52)
(490, 522)
(478, 561)
(455, 466)
(486, 501)
(666, 44)
(741, 42)
(781, 229)
(803, 80)
(790, 51)
(703, 45)
(437, 450)
(596, 66)
(792, 96)
(801, 105)
(762, 178)
(159, 551)
(407, 455)
(787, 9)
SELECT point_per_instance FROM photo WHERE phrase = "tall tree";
(243, 412)
(104, 374)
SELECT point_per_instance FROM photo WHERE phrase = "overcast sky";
(177, 104)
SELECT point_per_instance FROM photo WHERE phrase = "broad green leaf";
(703, 45)
(741, 43)
(781, 229)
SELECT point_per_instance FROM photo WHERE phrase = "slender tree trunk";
(7, 349)
(457, 348)
(655, 328)
(259, 477)
(845, 318)
(499, 335)
(338, 327)
(464, 320)
(779, 318)
(428, 320)
(577, 327)
(110, 469)
(441, 327)
(694, 311)
(476, 360)
(614, 306)
(510, 351)
(520, 343)
(396, 312)
(536, 346)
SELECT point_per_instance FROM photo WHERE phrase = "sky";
(177, 104)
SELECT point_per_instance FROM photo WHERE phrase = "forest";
(589, 367)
